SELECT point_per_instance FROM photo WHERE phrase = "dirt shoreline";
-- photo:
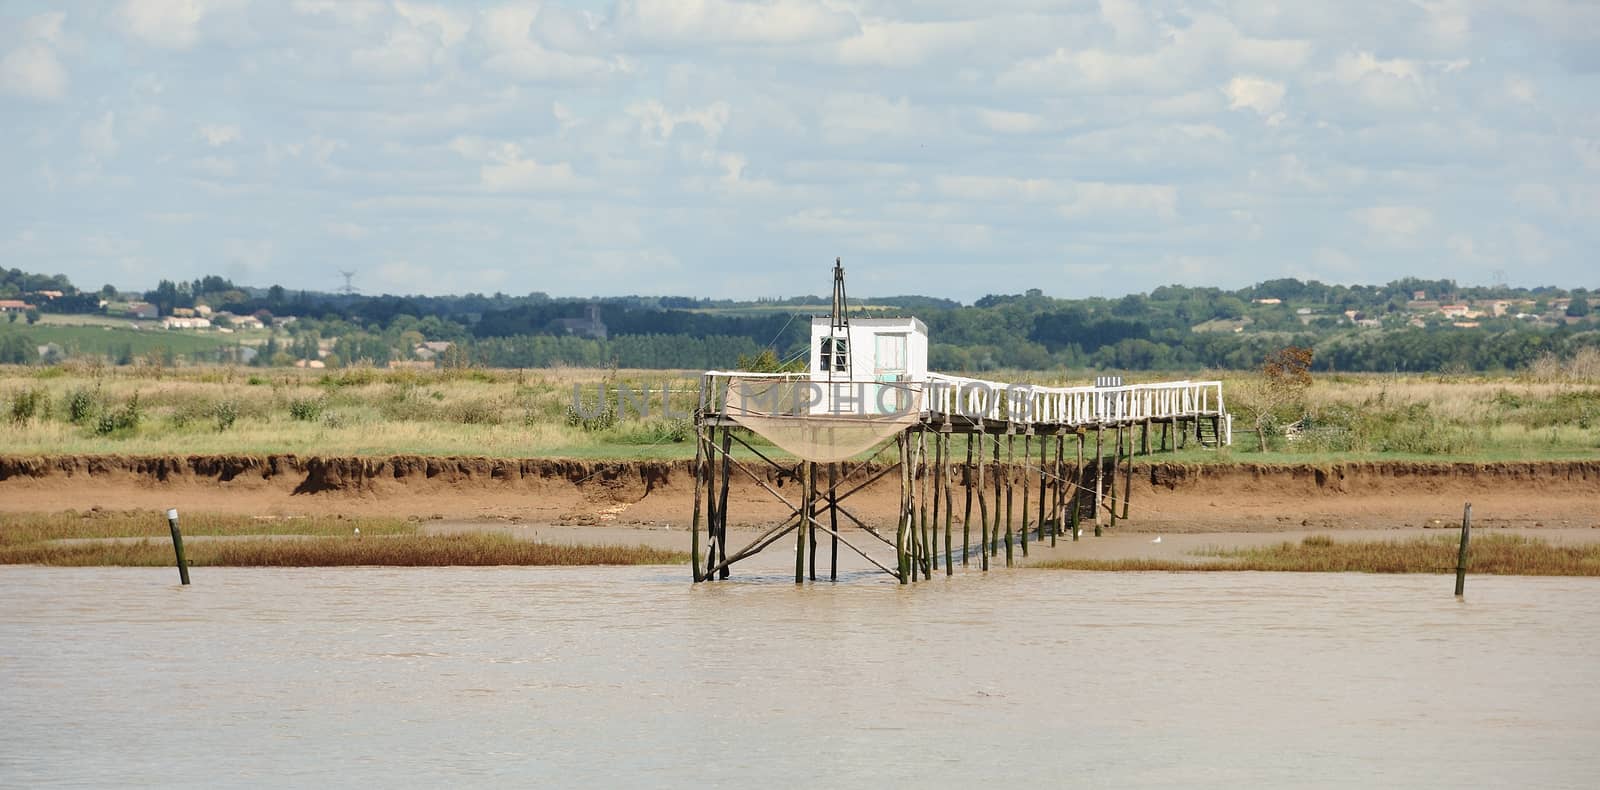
(1168, 498)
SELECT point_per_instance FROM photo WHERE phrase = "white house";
(877, 352)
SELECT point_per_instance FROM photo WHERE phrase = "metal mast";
(839, 327)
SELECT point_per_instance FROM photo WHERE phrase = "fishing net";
(823, 422)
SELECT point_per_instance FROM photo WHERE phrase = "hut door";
(888, 366)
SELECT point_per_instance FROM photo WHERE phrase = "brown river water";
(607, 677)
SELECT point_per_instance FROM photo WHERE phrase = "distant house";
(179, 322)
(430, 350)
(14, 306)
(310, 363)
(1268, 300)
(50, 294)
(1418, 296)
(142, 310)
(1422, 305)
(1465, 324)
(201, 309)
(588, 326)
(183, 312)
(1455, 310)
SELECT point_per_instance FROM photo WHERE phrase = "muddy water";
(623, 677)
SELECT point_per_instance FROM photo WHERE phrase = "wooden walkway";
(982, 421)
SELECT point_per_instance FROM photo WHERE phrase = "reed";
(323, 552)
(1507, 555)
(19, 529)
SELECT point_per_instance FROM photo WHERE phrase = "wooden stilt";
(804, 535)
(922, 504)
(902, 525)
(999, 474)
(1127, 475)
(968, 474)
(1144, 437)
(1059, 501)
(937, 472)
(722, 499)
(1076, 507)
(949, 507)
(1044, 466)
(711, 504)
(1111, 488)
(833, 520)
(983, 506)
(1099, 474)
(1027, 456)
(1010, 488)
(694, 522)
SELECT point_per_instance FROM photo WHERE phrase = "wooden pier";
(868, 390)
(1040, 464)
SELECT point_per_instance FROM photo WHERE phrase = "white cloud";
(349, 231)
(508, 36)
(1392, 84)
(1395, 222)
(170, 24)
(1254, 93)
(1007, 122)
(657, 122)
(32, 71)
(218, 135)
(702, 22)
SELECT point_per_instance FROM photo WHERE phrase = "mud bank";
(1168, 497)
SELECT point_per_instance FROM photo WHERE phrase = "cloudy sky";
(733, 149)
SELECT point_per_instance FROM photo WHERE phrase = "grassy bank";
(86, 409)
(1511, 555)
(56, 539)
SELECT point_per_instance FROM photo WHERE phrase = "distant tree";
(33, 315)
(17, 348)
(108, 292)
(1280, 392)
(1579, 307)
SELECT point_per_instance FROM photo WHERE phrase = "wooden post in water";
(711, 504)
(1059, 501)
(937, 472)
(694, 522)
(803, 534)
(1461, 556)
(722, 499)
(177, 545)
(903, 565)
(833, 519)
(968, 475)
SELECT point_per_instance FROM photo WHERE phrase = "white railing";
(943, 395)
(1028, 403)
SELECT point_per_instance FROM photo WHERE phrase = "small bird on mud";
(358, 533)
(1157, 540)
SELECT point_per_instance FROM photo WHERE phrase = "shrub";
(306, 409)
(125, 419)
(225, 413)
(29, 403)
(81, 404)
(334, 419)
(474, 412)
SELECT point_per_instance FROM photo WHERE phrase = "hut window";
(836, 354)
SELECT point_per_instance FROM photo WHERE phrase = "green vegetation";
(76, 409)
(1511, 555)
(1407, 325)
(71, 539)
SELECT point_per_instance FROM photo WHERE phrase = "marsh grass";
(27, 528)
(1510, 555)
(320, 541)
(326, 552)
(507, 413)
